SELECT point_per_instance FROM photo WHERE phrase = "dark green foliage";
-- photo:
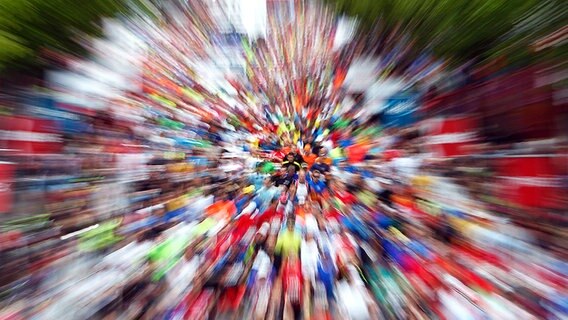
(462, 29)
(29, 26)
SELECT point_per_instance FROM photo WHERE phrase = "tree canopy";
(455, 29)
(29, 26)
(460, 29)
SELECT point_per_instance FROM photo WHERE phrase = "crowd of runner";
(278, 192)
(293, 240)
(307, 230)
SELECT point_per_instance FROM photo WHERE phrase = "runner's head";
(309, 235)
(291, 170)
(290, 156)
(302, 176)
(267, 182)
(262, 234)
(283, 197)
(326, 255)
(316, 174)
(290, 224)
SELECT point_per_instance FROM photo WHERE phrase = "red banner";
(531, 181)
(23, 135)
(6, 183)
(451, 137)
